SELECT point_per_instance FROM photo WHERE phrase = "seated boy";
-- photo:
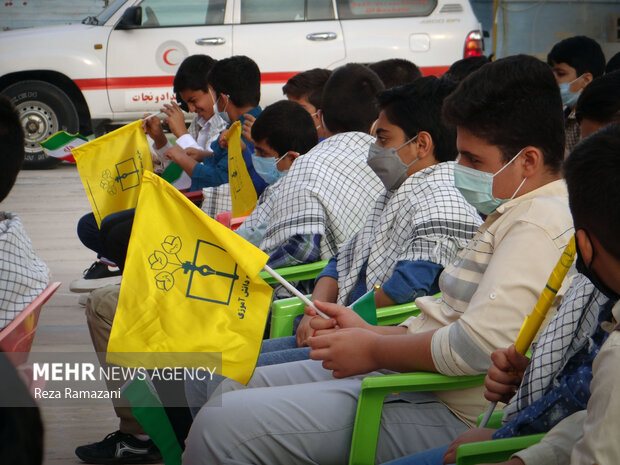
(511, 152)
(23, 276)
(327, 194)
(599, 104)
(234, 85)
(190, 82)
(575, 61)
(191, 85)
(591, 436)
(306, 88)
(419, 223)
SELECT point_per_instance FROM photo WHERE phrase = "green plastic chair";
(370, 404)
(497, 450)
(296, 273)
(284, 311)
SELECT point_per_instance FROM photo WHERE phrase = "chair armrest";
(495, 421)
(370, 404)
(296, 273)
(497, 450)
(283, 313)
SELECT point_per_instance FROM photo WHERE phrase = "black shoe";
(119, 447)
(98, 275)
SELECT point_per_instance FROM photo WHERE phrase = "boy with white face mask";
(504, 107)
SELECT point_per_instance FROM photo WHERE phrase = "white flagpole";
(294, 291)
(153, 115)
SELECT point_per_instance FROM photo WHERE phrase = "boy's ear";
(532, 161)
(581, 82)
(425, 144)
(584, 246)
(292, 155)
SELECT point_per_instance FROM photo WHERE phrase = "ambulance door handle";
(211, 41)
(322, 36)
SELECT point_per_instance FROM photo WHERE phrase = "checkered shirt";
(570, 329)
(216, 200)
(23, 276)
(328, 191)
(425, 219)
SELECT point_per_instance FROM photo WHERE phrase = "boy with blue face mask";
(575, 62)
(506, 107)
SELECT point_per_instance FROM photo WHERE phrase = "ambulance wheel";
(43, 110)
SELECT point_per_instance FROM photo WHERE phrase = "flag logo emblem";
(205, 280)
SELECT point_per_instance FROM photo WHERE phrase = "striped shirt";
(491, 286)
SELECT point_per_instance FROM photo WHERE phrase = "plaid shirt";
(426, 219)
(567, 389)
(566, 334)
(328, 192)
(23, 276)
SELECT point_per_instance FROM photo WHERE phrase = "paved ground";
(49, 203)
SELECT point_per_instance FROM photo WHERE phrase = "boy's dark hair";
(239, 78)
(285, 126)
(308, 84)
(12, 143)
(613, 64)
(591, 173)
(416, 107)
(192, 75)
(460, 69)
(579, 52)
(396, 71)
(511, 103)
(349, 98)
(600, 100)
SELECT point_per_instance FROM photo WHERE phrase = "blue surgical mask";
(477, 187)
(267, 168)
(569, 99)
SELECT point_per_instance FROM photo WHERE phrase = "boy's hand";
(246, 131)
(175, 153)
(223, 139)
(340, 317)
(346, 352)
(175, 119)
(505, 374)
(469, 436)
(198, 154)
(152, 127)
(304, 331)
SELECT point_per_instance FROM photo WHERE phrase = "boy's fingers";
(318, 322)
(330, 309)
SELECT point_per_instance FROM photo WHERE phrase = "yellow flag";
(189, 285)
(111, 168)
(242, 189)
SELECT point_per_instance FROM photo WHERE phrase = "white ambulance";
(120, 63)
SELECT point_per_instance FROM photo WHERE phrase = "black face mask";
(591, 275)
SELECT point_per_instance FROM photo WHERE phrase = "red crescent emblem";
(165, 57)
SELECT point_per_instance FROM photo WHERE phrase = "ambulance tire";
(43, 110)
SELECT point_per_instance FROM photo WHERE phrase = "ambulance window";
(272, 11)
(164, 13)
(363, 9)
(319, 10)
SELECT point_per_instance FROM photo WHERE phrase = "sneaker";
(98, 275)
(119, 447)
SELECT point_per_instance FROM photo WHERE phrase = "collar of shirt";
(552, 189)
